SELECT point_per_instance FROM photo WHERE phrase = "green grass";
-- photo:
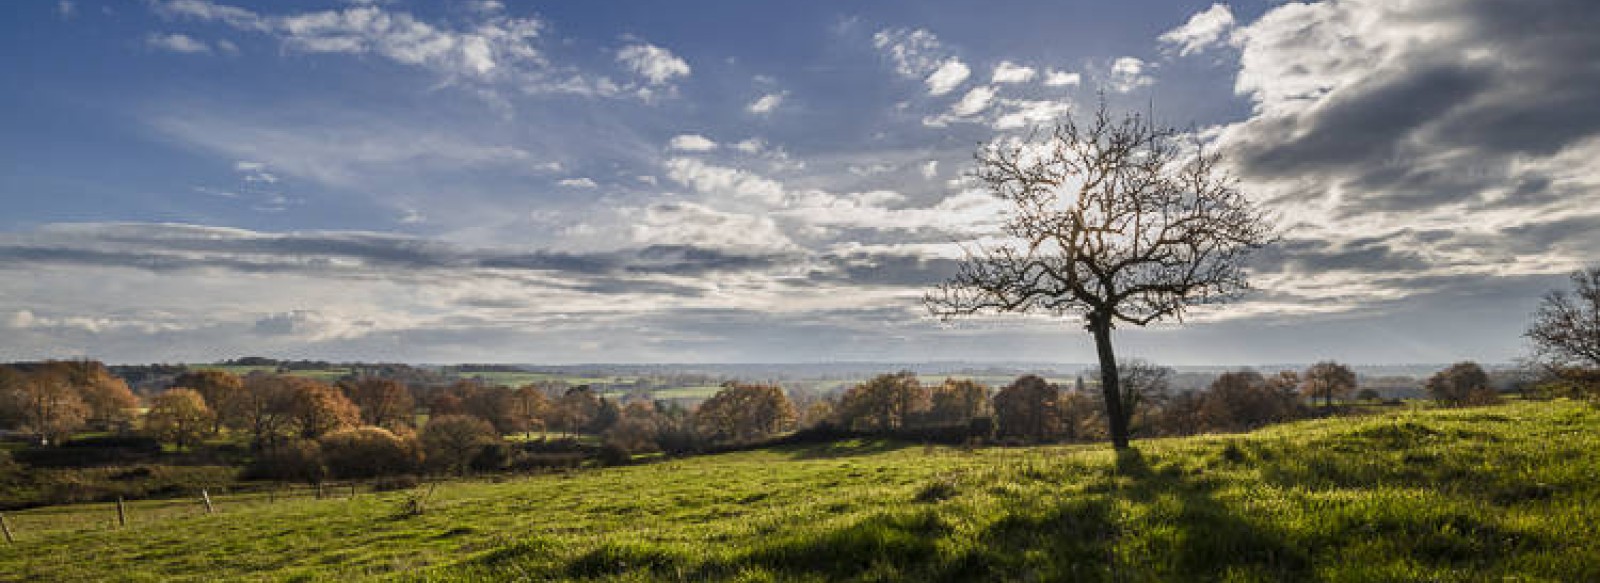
(1490, 494)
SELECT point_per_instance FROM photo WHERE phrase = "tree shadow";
(845, 448)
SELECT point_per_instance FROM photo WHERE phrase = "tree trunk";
(1100, 326)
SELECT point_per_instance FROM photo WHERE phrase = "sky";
(728, 181)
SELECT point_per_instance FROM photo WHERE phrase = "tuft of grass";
(1488, 494)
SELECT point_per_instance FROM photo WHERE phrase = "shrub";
(455, 443)
(294, 460)
(369, 452)
(1464, 383)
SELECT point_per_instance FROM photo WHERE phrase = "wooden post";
(122, 513)
(352, 490)
(6, 528)
(206, 496)
(319, 490)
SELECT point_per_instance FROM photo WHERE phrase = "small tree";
(1566, 329)
(958, 402)
(47, 405)
(1028, 408)
(1328, 379)
(383, 402)
(1464, 383)
(317, 408)
(883, 403)
(1121, 221)
(1245, 399)
(450, 443)
(741, 412)
(223, 392)
(179, 416)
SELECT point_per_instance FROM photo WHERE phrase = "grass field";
(1490, 494)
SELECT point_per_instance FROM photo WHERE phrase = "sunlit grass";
(1499, 493)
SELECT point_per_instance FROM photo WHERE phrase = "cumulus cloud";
(1203, 30)
(579, 182)
(713, 179)
(950, 74)
(915, 53)
(1422, 142)
(1054, 78)
(1009, 72)
(691, 143)
(1128, 74)
(766, 103)
(657, 65)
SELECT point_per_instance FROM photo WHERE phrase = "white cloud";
(974, 102)
(915, 53)
(1022, 113)
(711, 179)
(950, 74)
(657, 65)
(1054, 78)
(930, 169)
(766, 103)
(691, 143)
(1202, 31)
(66, 8)
(177, 43)
(751, 145)
(579, 182)
(686, 223)
(1128, 74)
(1009, 72)
(491, 46)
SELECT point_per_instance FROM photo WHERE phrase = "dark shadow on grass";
(843, 449)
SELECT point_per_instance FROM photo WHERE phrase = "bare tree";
(1120, 220)
(1328, 379)
(1566, 329)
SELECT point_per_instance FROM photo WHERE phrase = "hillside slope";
(1475, 494)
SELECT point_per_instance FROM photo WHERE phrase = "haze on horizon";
(484, 181)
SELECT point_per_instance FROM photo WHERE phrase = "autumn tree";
(1246, 399)
(576, 409)
(637, 427)
(450, 443)
(369, 452)
(1328, 379)
(107, 399)
(958, 402)
(1122, 221)
(383, 402)
(317, 408)
(223, 392)
(742, 413)
(1463, 383)
(529, 408)
(266, 408)
(1028, 408)
(883, 403)
(179, 416)
(46, 404)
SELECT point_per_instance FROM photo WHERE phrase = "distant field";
(1488, 494)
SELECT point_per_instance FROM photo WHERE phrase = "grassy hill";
(1490, 494)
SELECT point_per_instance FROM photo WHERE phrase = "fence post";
(206, 496)
(6, 528)
(319, 490)
(122, 513)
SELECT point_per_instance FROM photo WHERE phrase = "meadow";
(1478, 494)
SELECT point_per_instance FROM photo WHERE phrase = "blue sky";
(736, 181)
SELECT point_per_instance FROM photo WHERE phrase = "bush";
(297, 460)
(456, 443)
(369, 452)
